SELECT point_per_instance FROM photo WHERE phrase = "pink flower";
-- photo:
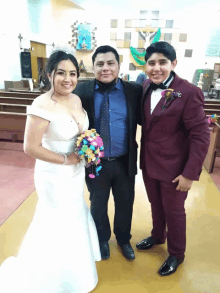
(99, 141)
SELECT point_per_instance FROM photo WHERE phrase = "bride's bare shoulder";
(44, 101)
(77, 101)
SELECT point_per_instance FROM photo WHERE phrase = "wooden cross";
(20, 38)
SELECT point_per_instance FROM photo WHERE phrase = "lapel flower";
(169, 95)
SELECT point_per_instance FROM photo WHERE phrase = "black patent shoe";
(146, 243)
(170, 266)
(127, 251)
(104, 249)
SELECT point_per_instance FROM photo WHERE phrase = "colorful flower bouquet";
(89, 146)
(169, 95)
(213, 119)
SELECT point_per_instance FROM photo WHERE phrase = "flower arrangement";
(169, 95)
(89, 146)
(212, 119)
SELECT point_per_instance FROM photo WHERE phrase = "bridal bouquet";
(89, 146)
(213, 119)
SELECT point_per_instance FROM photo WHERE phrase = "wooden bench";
(208, 102)
(14, 100)
(212, 106)
(212, 111)
(19, 95)
(24, 91)
(13, 114)
(213, 149)
(12, 126)
(13, 108)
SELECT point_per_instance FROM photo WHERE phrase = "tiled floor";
(198, 274)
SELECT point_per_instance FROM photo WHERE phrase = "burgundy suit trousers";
(167, 206)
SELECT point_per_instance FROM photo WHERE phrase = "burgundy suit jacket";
(174, 140)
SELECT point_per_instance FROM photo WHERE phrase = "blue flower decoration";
(85, 141)
(92, 147)
(98, 168)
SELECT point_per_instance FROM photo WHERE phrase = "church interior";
(129, 26)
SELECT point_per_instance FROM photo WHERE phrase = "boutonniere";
(169, 95)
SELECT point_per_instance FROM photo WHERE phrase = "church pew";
(208, 102)
(19, 95)
(209, 111)
(13, 100)
(12, 126)
(24, 91)
(12, 108)
(212, 106)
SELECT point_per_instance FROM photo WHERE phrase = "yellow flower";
(78, 142)
(89, 152)
(92, 156)
(87, 132)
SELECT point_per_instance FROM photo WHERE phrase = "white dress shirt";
(156, 95)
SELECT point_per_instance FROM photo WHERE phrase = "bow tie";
(155, 86)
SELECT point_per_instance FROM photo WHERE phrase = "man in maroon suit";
(175, 140)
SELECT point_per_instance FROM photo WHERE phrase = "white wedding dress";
(61, 246)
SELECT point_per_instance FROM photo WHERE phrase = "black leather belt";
(110, 158)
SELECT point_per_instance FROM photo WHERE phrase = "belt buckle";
(111, 158)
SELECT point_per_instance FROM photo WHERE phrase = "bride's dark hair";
(53, 61)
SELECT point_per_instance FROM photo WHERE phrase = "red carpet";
(17, 178)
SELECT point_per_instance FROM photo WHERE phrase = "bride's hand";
(72, 159)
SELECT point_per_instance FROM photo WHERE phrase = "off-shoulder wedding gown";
(61, 246)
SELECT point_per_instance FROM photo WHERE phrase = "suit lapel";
(89, 94)
(145, 89)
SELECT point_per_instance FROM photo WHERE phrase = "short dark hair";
(161, 47)
(103, 50)
(58, 56)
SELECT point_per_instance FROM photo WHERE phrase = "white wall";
(38, 21)
(46, 21)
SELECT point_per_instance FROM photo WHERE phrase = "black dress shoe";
(170, 266)
(104, 248)
(146, 243)
(127, 251)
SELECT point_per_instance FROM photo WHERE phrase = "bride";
(59, 251)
